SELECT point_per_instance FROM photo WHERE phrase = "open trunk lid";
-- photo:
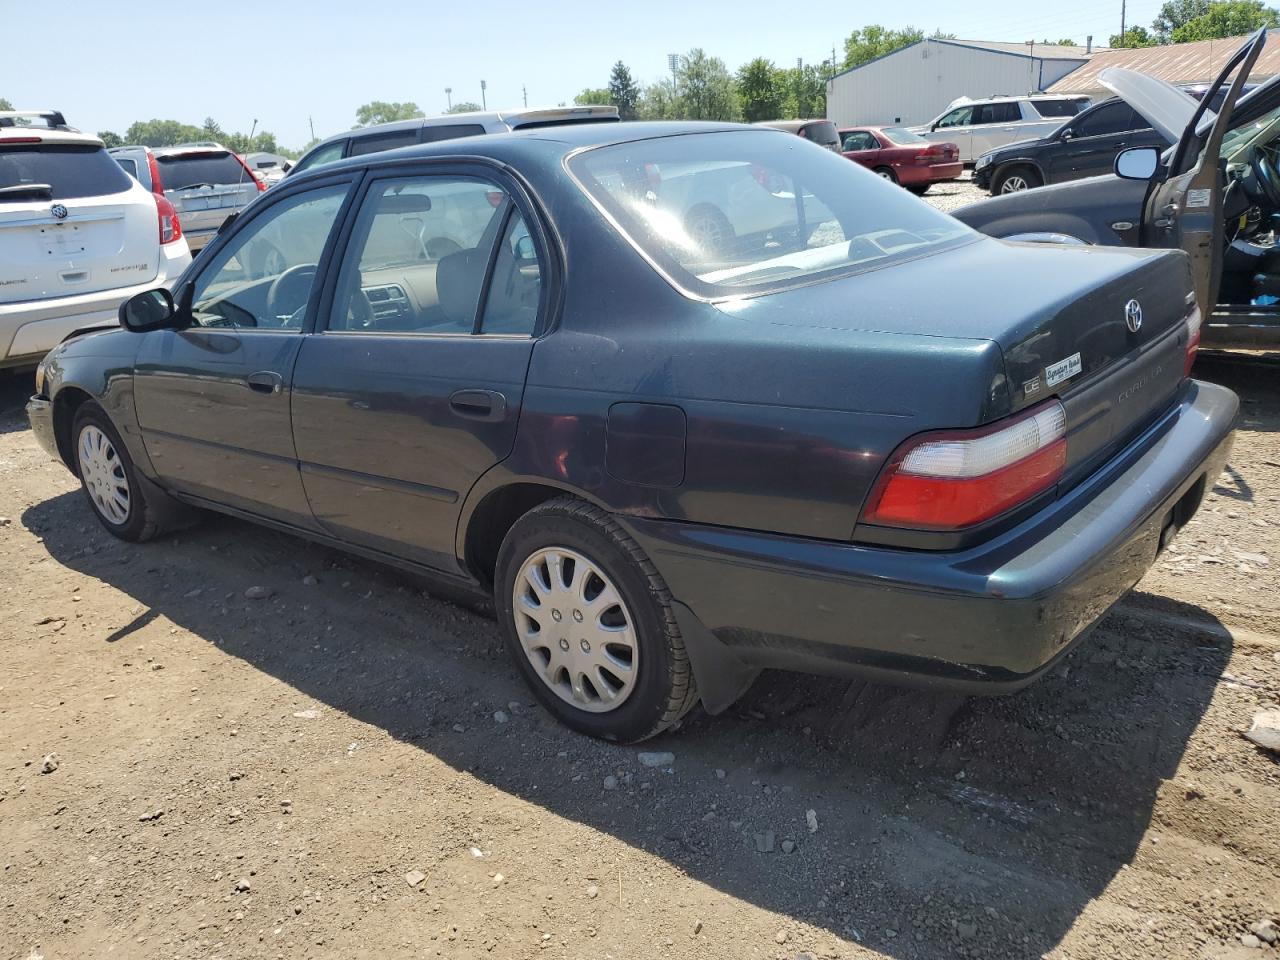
(71, 222)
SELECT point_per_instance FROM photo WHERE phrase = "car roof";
(557, 141)
(791, 126)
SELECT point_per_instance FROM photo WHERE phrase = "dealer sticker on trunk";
(1055, 373)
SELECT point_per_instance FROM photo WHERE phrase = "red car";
(899, 155)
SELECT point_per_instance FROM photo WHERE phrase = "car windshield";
(902, 136)
(748, 212)
(195, 169)
(58, 172)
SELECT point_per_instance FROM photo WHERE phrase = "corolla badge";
(1133, 316)
(59, 212)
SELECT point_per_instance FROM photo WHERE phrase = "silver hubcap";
(103, 475)
(1013, 184)
(885, 174)
(575, 630)
(707, 231)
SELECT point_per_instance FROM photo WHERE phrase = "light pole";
(484, 103)
(448, 94)
(673, 61)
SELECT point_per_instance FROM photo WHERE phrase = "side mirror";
(152, 310)
(1137, 163)
(525, 249)
(1067, 134)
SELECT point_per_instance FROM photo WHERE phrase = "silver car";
(205, 182)
(979, 126)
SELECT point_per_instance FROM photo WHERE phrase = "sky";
(290, 64)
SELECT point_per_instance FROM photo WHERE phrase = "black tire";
(663, 690)
(1016, 179)
(920, 189)
(147, 509)
(709, 226)
(887, 173)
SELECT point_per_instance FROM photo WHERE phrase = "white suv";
(77, 235)
(978, 126)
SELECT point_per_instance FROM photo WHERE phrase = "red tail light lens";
(1194, 322)
(952, 479)
(157, 185)
(170, 225)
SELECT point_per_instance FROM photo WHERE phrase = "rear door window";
(860, 140)
(1058, 108)
(996, 113)
(70, 171)
(383, 141)
(185, 170)
(452, 131)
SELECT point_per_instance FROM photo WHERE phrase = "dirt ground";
(351, 768)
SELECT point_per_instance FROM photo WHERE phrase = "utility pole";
(484, 103)
(1122, 21)
(673, 61)
(448, 95)
(525, 92)
(312, 124)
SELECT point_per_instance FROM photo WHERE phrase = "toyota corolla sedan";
(510, 364)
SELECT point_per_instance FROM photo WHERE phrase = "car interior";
(1251, 211)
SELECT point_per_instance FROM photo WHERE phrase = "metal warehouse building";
(915, 84)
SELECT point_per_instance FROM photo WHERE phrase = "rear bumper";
(945, 171)
(987, 619)
(31, 329)
(197, 240)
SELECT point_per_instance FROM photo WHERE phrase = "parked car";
(1085, 146)
(821, 132)
(205, 182)
(77, 236)
(404, 133)
(1181, 198)
(978, 126)
(269, 168)
(901, 156)
(669, 465)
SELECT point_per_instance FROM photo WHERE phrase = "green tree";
(212, 130)
(623, 91)
(468, 106)
(866, 44)
(760, 90)
(1228, 19)
(804, 93)
(382, 111)
(1046, 42)
(706, 88)
(1133, 37)
(658, 102)
(111, 139)
(5, 104)
(590, 96)
(161, 133)
(1173, 15)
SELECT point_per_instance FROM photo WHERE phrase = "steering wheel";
(288, 289)
(1264, 171)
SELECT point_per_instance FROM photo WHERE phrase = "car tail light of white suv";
(951, 479)
(170, 225)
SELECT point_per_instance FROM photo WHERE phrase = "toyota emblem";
(1133, 316)
(59, 212)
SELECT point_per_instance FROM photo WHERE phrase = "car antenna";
(244, 166)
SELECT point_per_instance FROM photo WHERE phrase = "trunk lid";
(65, 240)
(206, 187)
(1059, 314)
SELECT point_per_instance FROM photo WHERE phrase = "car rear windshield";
(1059, 108)
(732, 213)
(196, 169)
(71, 171)
(823, 132)
(902, 136)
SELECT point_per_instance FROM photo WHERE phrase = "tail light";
(11, 140)
(950, 479)
(258, 182)
(1194, 321)
(170, 225)
(157, 185)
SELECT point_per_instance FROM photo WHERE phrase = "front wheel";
(1015, 180)
(886, 173)
(588, 621)
(119, 498)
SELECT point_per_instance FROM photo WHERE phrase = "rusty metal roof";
(1177, 63)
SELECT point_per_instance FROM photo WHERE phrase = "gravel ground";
(955, 194)
(349, 767)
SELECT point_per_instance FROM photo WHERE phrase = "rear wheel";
(119, 498)
(1016, 179)
(709, 228)
(887, 173)
(920, 189)
(588, 621)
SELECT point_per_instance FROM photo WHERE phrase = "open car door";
(1185, 209)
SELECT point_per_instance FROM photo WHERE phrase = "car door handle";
(478, 404)
(265, 381)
